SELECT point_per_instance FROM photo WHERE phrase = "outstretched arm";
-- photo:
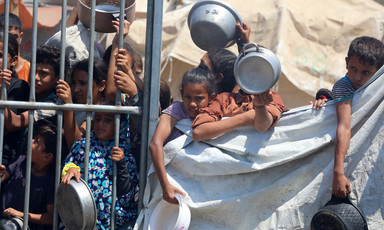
(163, 130)
(45, 218)
(340, 182)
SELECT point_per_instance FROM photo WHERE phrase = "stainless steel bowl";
(105, 12)
(212, 23)
(76, 206)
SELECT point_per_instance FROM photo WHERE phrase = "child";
(42, 181)
(197, 87)
(46, 76)
(17, 90)
(22, 66)
(102, 154)
(322, 96)
(261, 111)
(365, 57)
(74, 122)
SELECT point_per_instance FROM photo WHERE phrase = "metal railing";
(149, 110)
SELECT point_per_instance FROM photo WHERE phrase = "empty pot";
(105, 12)
(257, 69)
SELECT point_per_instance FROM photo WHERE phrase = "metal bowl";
(212, 23)
(76, 205)
(105, 12)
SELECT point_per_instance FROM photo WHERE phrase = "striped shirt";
(343, 89)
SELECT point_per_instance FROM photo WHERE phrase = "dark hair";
(199, 76)
(136, 58)
(137, 63)
(368, 50)
(14, 21)
(49, 133)
(50, 55)
(323, 92)
(223, 61)
(13, 45)
(165, 95)
(100, 70)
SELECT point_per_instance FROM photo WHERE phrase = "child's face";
(9, 59)
(359, 73)
(104, 126)
(195, 96)
(80, 87)
(45, 79)
(16, 32)
(38, 149)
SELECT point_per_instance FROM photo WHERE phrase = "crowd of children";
(209, 93)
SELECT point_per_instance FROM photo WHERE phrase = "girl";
(197, 87)
(102, 153)
(74, 122)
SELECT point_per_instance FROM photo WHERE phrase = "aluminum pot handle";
(250, 47)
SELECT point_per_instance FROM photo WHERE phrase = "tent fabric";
(278, 179)
(310, 38)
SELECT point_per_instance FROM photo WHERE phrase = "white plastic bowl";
(167, 216)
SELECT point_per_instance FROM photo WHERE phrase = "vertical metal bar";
(3, 87)
(152, 85)
(117, 117)
(60, 113)
(89, 92)
(30, 115)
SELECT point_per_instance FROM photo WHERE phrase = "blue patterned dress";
(101, 174)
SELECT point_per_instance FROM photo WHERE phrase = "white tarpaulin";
(278, 179)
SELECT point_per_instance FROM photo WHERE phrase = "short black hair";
(48, 54)
(14, 21)
(13, 45)
(49, 133)
(223, 61)
(100, 70)
(199, 76)
(323, 92)
(368, 50)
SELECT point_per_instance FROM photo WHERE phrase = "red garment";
(230, 104)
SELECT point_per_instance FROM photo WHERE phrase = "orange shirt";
(24, 71)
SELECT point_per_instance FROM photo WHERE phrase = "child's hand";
(3, 169)
(117, 154)
(123, 60)
(6, 76)
(244, 32)
(115, 24)
(10, 212)
(64, 91)
(318, 104)
(125, 83)
(262, 99)
(340, 185)
(169, 194)
(72, 172)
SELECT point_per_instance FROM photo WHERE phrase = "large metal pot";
(212, 23)
(105, 12)
(76, 206)
(257, 69)
(339, 214)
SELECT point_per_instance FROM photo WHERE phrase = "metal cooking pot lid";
(255, 75)
(76, 205)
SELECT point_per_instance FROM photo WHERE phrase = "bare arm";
(13, 122)
(45, 218)
(343, 134)
(163, 130)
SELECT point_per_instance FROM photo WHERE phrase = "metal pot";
(257, 69)
(212, 23)
(76, 206)
(339, 214)
(105, 12)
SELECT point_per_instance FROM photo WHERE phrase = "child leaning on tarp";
(365, 56)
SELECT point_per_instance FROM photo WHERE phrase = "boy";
(261, 111)
(46, 77)
(42, 181)
(365, 57)
(22, 66)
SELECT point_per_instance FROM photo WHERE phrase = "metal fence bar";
(60, 113)
(3, 87)
(30, 115)
(152, 86)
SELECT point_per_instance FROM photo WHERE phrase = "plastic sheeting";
(278, 179)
